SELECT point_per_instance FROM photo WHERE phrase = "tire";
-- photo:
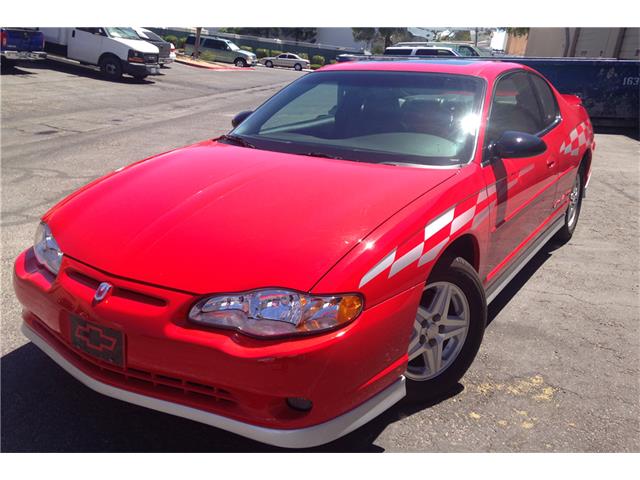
(268, 63)
(453, 338)
(111, 67)
(240, 62)
(573, 209)
(298, 67)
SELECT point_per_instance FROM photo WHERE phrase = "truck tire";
(111, 67)
(240, 62)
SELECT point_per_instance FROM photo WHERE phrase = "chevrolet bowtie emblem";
(102, 291)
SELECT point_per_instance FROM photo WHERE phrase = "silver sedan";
(285, 60)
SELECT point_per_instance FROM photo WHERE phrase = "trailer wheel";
(111, 67)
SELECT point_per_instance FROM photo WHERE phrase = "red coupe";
(334, 253)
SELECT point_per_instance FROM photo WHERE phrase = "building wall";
(623, 43)
(516, 45)
(549, 42)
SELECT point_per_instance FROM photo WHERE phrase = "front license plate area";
(101, 342)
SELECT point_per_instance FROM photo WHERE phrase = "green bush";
(246, 48)
(207, 56)
(275, 53)
(171, 39)
(181, 42)
(317, 60)
(304, 55)
(332, 61)
(315, 66)
(262, 52)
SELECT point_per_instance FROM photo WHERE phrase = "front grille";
(150, 58)
(180, 390)
(93, 283)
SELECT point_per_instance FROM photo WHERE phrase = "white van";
(116, 50)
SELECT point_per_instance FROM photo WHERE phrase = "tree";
(517, 31)
(366, 35)
(300, 34)
(389, 35)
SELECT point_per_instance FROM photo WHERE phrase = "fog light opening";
(300, 404)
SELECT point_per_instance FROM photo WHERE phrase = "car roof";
(478, 68)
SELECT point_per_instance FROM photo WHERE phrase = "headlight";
(272, 312)
(46, 249)
(135, 56)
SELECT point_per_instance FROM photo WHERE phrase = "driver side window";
(514, 107)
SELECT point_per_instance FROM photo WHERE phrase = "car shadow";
(86, 71)
(632, 132)
(13, 69)
(43, 409)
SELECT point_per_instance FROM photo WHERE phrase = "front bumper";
(14, 55)
(139, 69)
(221, 378)
(295, 438)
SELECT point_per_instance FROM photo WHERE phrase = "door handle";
(73, 34)
(551, 163)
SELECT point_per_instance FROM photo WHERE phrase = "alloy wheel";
(439, 331)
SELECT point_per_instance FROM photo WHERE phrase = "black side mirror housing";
(518, 145)
(240, 117)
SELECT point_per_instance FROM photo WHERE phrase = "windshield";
(372, 116)
(122, 32)
(233, 46)
(152, 36)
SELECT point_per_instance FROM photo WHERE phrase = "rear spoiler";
(573, 100)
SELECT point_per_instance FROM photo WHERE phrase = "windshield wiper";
(237, 140)
(322, 155)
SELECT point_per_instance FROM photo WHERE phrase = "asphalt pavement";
(559, 369)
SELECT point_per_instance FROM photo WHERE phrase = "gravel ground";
(559, 366)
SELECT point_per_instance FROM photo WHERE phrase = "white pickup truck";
(116, 50)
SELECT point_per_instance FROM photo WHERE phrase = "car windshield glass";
(122, 32)
(372, 116)
(152, 36)
(233, 46)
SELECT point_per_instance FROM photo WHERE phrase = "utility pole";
(196, 51)
(475, 37)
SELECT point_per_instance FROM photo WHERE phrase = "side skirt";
(510, 272)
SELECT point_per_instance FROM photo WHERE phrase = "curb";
(207, 67)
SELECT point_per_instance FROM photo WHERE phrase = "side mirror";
(240, 117)
(518, 145)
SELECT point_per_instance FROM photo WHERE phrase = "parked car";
(421, 51)
(336, 251)
(223, 50)
(21, 44)
(290, 60)
(116, 50)
(462, 49)
(166, 50)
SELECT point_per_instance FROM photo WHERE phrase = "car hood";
(247, 53)
(139, 45)
(221, 218)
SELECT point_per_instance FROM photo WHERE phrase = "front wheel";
(298, 67)
(240, 62)
(447, 331)
(111, 68)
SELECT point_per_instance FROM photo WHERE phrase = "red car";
(337, 251)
